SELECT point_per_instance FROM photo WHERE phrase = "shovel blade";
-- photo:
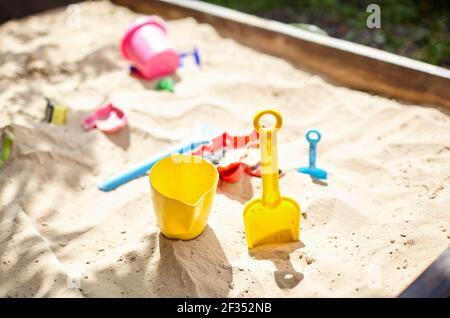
(266, 225)
(314, 172)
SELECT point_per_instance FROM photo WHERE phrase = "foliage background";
(419, 29)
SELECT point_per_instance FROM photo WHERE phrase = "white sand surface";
(379, 221)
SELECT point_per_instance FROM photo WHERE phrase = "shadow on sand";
(166, 268)
(285, 275)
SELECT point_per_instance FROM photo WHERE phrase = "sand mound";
(29, 267)
(381, 218)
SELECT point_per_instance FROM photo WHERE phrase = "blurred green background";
(419, 29)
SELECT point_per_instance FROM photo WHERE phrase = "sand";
(379, 221)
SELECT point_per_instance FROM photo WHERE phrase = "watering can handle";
(271, 196)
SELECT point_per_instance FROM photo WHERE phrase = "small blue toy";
(195, 54)
(312, 170)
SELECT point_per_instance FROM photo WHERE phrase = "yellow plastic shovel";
(271, 218)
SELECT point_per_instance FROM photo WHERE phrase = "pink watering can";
(146, 45)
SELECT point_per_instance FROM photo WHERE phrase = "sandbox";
(381, 218)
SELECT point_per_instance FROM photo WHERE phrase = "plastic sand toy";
(141, 169)
(7, 140)
(55, 113)
(271, 218)
(146, 45)
(215, 150)
(195, 55)
(166, 84)
(182, 207)
(211, 146)
(312, 170)
(108, 119)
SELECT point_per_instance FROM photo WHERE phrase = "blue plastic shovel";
(312, 170)
(139, 170)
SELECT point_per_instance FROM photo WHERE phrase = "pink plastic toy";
(108, 119)
(146, 45)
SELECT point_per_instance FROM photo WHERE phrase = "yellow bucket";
(183, 189)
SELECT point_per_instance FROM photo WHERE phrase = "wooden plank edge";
(434, 282)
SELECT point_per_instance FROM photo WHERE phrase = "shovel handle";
(271, 196)
(313, 146)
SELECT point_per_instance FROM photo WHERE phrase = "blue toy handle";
(312, 155)
(311, 139)
(195, 54)
(313, 146)
(143, 168)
